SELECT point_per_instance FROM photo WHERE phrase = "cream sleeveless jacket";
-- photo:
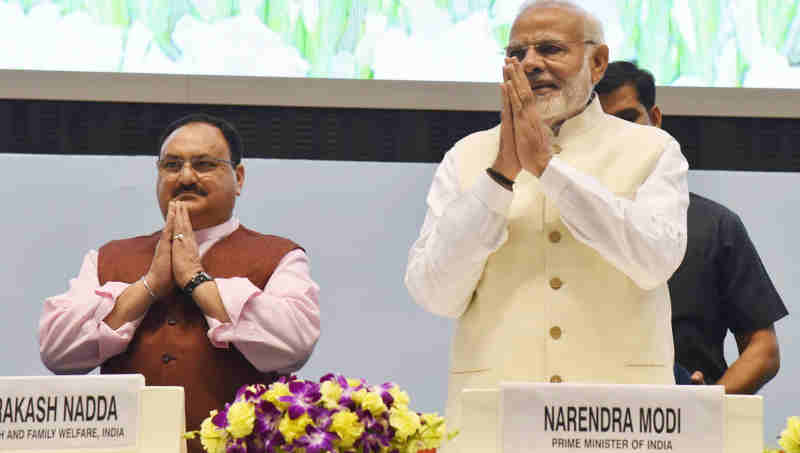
(549, 308)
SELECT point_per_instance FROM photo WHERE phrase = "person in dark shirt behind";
(721, 284)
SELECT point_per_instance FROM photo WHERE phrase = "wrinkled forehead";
(196, 139)
(552, 23)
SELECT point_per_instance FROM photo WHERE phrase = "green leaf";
(742, 66)
(332, 23)
(501, 34)
(111, 12)
(210, 11)
(775, 19)
(275, 15)
(629, 13)
(707, 29)
(353, 30)
(300, 37)
(657, 54)
(160, 16)
(366, 72)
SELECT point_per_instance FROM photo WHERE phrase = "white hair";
(592, 28)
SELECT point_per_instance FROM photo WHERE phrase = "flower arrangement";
(337, 415)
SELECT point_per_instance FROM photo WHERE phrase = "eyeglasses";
(549, 49)
(200, 165)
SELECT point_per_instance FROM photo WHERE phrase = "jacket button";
(171, 321)
(555, 379)
(555, 332)
(556, 283)
(554, 236)
(165, 358)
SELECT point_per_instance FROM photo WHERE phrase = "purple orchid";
(267, 417)
(370, 442)
(322, 417)
(372, 424)
(250, 393)
(384, 388)
(316, 440)
(327, 377)
(346, 400)
(304, 395)
(239, 446)
(221, 419)
(255, 445)
(287, 378)
(273, 441)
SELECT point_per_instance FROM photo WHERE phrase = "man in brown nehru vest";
(204, 303)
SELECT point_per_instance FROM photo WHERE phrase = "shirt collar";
(581, 123)
(216, 232)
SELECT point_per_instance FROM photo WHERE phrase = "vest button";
(555, 332)
(171, 322)
(554, 236)
(557, 148)
(555, 379)
(556, 283)
(165, 358)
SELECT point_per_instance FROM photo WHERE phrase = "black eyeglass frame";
(160, 161)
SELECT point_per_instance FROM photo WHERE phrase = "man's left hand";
(698, 378)
(531, 134)
(185, 253)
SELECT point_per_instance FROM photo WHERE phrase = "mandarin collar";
(589, 118)
(217, 231)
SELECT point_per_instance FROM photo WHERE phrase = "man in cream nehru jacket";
(550, 238)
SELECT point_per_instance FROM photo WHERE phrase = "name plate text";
(69, 412)
(597, 418)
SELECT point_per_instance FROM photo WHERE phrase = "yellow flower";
(404, 421)
(400, 397)
(374, 403)
(358, 397)
(292, 429)
(241, 418)
(277, 390)
(434, 430)
(331, 392)
(353, 382)
(790, 437)
(347, 426)
(212, 438)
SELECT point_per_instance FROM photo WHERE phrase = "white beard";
(570, 99)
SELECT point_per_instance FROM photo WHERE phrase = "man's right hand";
(532, 136)
(507, 162)
(159, 276)
(134, 302)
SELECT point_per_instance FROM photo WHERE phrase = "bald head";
(592, 28)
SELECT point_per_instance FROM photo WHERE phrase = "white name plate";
(70, 412)
(598, 418)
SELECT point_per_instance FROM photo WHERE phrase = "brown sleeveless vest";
(171, 346)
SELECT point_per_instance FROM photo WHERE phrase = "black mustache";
(189, 189)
